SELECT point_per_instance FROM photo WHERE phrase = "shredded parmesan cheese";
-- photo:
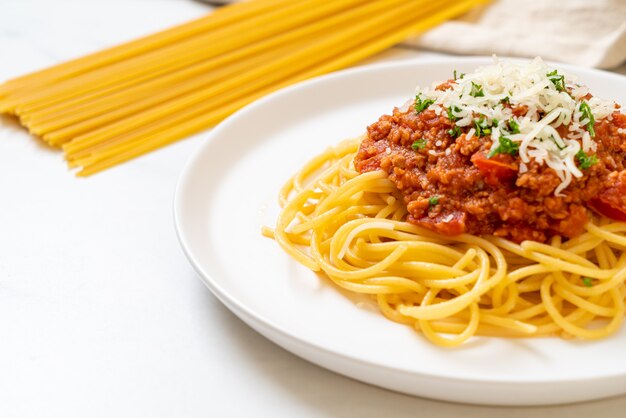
(552, 99)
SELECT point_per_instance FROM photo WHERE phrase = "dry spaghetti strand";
(111, 106)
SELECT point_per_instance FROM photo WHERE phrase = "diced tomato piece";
(445, 223)
(611, 202)
(497, 170)
(606, 209)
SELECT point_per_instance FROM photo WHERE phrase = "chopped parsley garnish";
(477, 90)
(587, 281)
(585, 161)
(494, 122)
(460, 76)
(419, 144)
(584, 107)
(451, 115)
(454, 132)
(505, 146)
(482, 127)
(433, 201)
(557, 79)
(513, 126)
(421, 105)
(506, 100)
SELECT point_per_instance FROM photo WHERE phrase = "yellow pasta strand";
(447, 288)
(219, 18)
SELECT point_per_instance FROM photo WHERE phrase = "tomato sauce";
(451, 185)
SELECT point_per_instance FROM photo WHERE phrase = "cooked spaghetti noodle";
(352, 227)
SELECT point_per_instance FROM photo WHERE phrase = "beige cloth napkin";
(584, 32)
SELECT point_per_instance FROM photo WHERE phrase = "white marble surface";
(100, 313)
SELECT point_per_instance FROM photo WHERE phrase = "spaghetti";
(352, 227)
(493, 203)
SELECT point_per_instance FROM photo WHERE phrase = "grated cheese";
(527, 84)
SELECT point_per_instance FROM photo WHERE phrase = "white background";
(100, 313)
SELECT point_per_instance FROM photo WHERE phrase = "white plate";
(229, 189)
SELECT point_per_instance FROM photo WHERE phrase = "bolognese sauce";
(473, 157)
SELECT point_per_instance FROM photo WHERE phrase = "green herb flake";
(460, 76)
(477, 90)
(482, 127)
(513, 126)
(419, 144)
(433, 201)
(588, 282)
(505, 146)
(506, 100)
(421, 105)
(557, 79)
(451, 115)
(584, 107)
(585, 161)
(454, 132)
